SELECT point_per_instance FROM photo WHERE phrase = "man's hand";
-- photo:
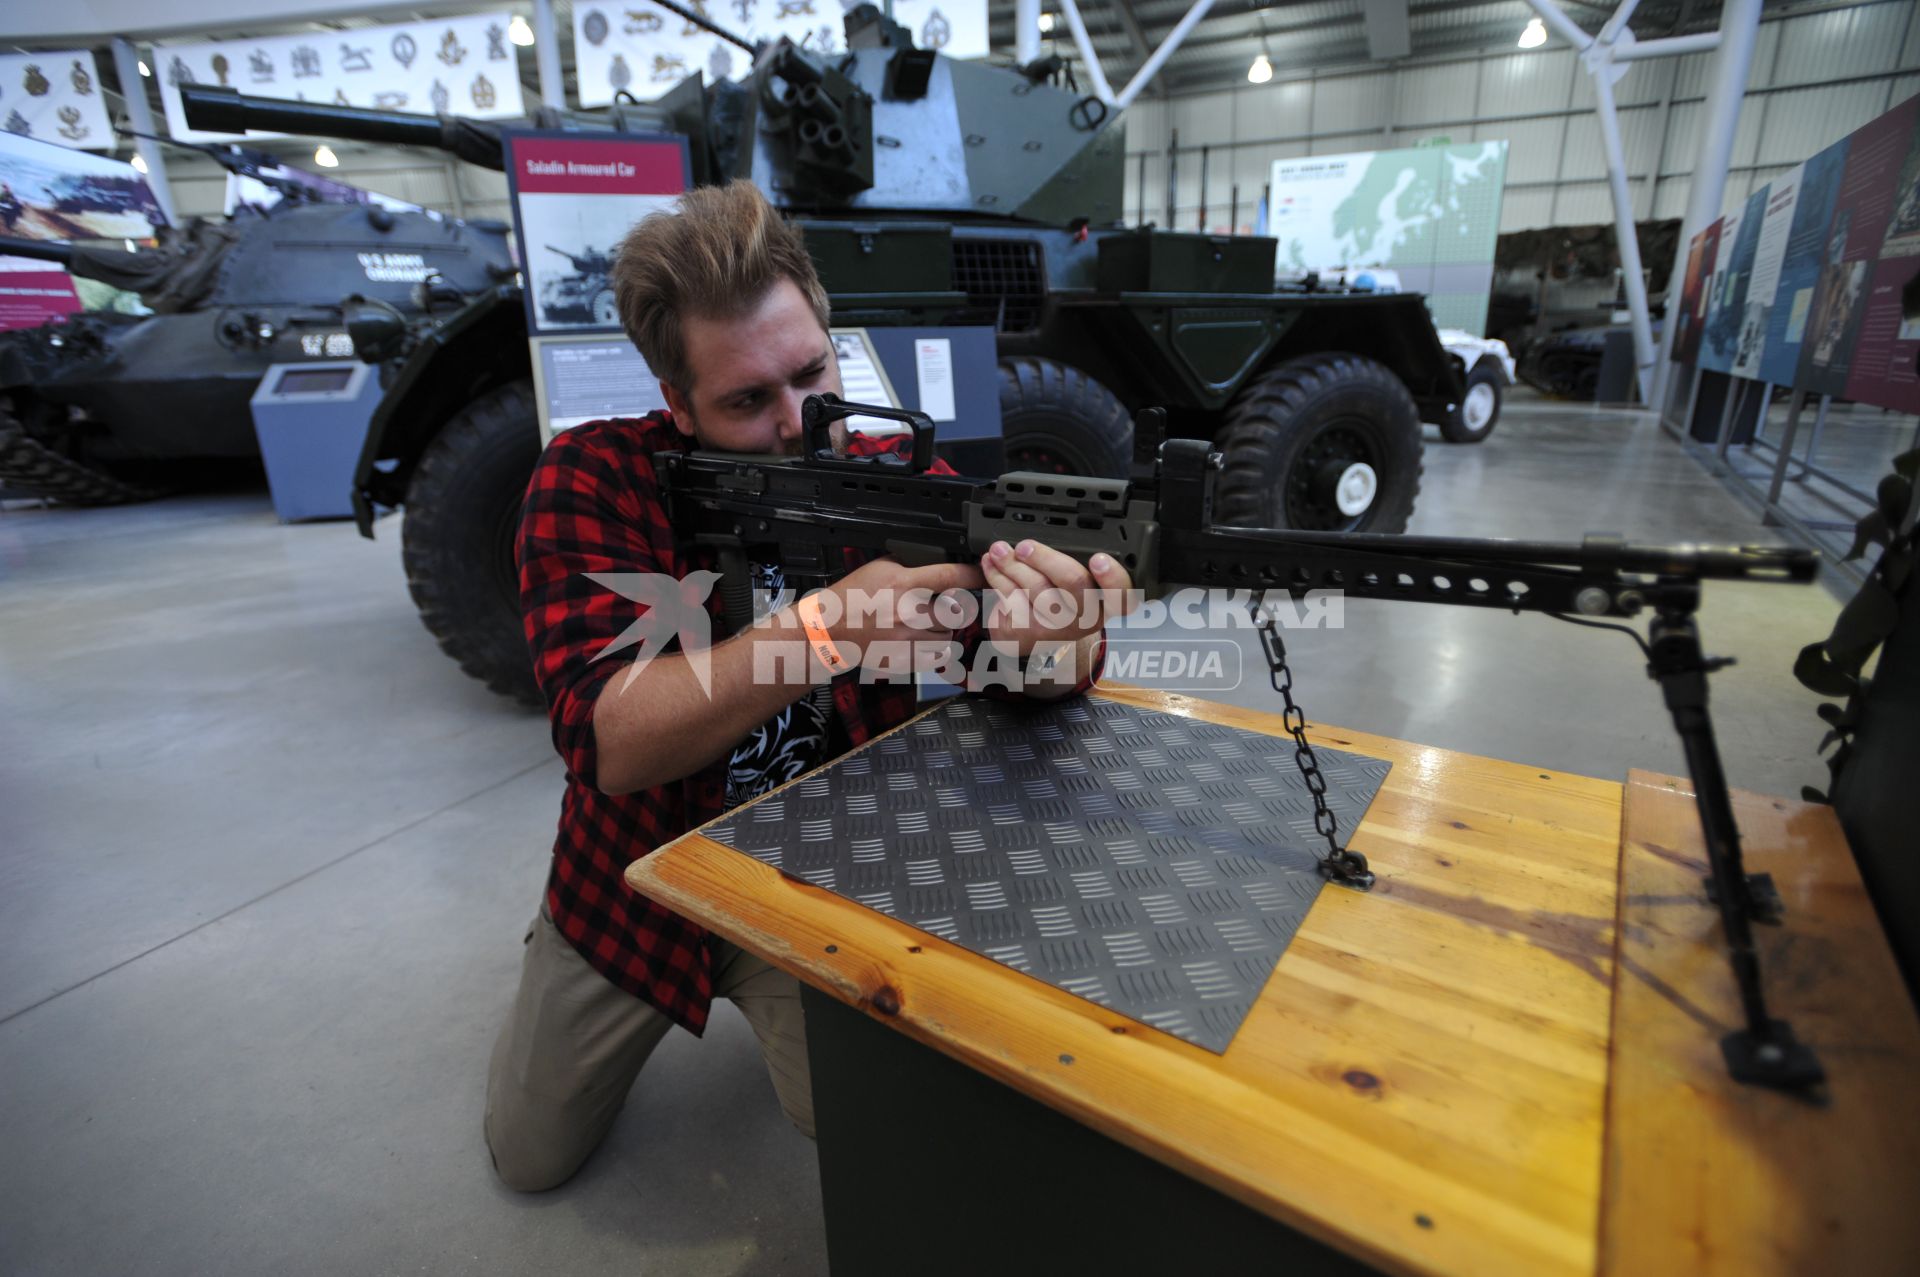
(884, 606)
(1049, 600)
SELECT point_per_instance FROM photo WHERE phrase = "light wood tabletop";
(1423, 1081)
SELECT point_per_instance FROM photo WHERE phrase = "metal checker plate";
(1152, 864)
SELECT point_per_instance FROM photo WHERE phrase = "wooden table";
(1424, 1084)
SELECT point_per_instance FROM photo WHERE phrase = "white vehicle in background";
(1488, 366)
(1486, 363)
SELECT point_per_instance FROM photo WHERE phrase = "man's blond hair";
(716, 257)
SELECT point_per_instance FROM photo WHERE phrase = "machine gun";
(804, 513)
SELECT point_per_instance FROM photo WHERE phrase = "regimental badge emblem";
(179, 73)
(441, 98)
(404, 50)
(452, 52)
(356, 59)
(70, 126)
(17, 124)
(82, 82)
(936, 31)
(482, 93)
(594, 27)
(306, 62)
(35, 83)
(260, 66)
(220, 67)
(496, 42)
(619, 74)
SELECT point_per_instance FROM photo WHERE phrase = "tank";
(585, 296)
(930, 192)
(104, 406)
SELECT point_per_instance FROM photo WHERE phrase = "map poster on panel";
(575, 197)
(1888, 344)
(1776, 220)
(1430, 215)
(1819, 185)
(1862, 212)
(1693, 294)
(1726, 313)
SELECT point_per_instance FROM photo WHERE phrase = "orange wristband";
(824, 648)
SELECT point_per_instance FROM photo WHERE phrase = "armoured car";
(931, 192)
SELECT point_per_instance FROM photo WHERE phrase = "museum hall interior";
(978, 637)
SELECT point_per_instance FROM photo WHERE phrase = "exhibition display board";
(1815, 282)
(1430, 214)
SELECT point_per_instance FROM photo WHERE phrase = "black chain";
(1348, 868)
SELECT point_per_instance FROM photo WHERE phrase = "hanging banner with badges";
(639, 48)
(456, 66)
(55, 97)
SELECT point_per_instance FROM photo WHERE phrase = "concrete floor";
(265, 857)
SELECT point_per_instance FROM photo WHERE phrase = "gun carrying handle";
(819, 412)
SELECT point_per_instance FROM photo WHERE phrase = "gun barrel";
(1596, 553)
(39, 250)
(222, 110)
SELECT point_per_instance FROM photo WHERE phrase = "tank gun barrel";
(40, 250)
(216, 109)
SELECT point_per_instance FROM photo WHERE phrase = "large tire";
(1057, 420)
(463, 511)
(1294, 436)
(1479, 409)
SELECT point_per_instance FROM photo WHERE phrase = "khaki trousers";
(574, 1044)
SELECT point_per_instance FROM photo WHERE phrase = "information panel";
(1818, 186)
(1726, 310)
(1694, 294)
(1836, 338)
(575, 198)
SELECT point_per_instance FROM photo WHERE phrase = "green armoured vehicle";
(932, 192)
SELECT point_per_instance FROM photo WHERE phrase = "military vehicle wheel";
(605, 313)
(463, 509)
(1057, 420)
(1324, 443)
(1479, 409)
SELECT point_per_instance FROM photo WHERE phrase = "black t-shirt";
(800, 737)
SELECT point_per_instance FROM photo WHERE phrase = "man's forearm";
(663, 726)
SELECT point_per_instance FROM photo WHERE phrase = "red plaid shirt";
(594, 505)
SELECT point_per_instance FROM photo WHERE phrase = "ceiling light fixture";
(1534, 35)
(519, 32)
(325, 157)
(1261, 71)
(139, 162)
(1046, 23)
(145, 69)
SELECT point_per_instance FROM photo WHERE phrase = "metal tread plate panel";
(1155, 865)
